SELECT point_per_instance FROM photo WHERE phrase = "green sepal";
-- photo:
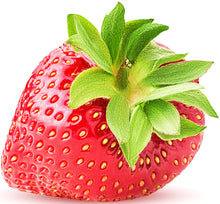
(90, 84)
(112, 29)
(161, 92)
(130, 27)
(89, 40)
(141, 37)
(187, 129)
(71, 26)
(150, 58)
(140, 134)
(163, 116)
(194, 98)
(118, 116)
(179, 72)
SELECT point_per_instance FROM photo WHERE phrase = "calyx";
(130, 74)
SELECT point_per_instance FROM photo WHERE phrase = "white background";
(30, 29)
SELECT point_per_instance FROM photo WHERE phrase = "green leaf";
(194, 98)
(178, 72)
(130, 27)
(170, 90)
(89, 40)
(71, 26)
(167, 59)
(188, 129)
(117, 116)
(90, 84)
(163, 116)
(141, 37)
(140, 134)
(112, 29)
(150, 58)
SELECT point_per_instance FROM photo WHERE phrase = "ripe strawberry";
(80, 153)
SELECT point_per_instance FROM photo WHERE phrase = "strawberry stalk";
(138, 77)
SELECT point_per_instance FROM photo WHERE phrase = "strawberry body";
(57, 151)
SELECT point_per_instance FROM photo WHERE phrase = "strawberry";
(107, 117)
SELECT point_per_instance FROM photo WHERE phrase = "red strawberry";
(73, 153)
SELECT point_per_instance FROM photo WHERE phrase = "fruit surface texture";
(56, 151)
(107, 116)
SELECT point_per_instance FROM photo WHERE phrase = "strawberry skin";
(56, 151)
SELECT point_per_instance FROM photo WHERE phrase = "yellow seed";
(120, 163)
(144, 191)
(52, 74)
(80, 161)
(141, 183)
(14, 158)
(165, 177)
(91, 164)
(10, 169)
(176, 162)
(95, 115)
(65, 135)
(103, 126)
(164, 154)
(66, 150)
(131, 187)
(86, 192)
(169, 142)
(133, 168)
(21, 148)
(85, 147)
(56, 60)
(113, 144)
(81, 177)
(157, 159)
(44, 97)
(37, 82)
(63, 164)
(68, 62)
(82, 133)
(30, 104)
(37, 91)
(36, 110)
(69, 174)
(153, 176)
(141, 161)
(193, 146)
(104, 178)
(52, 133)
(120, 190)
(198, 117)
(39, 144)
(75, 118)
(19, 118)
(184, 116)
(184, 160)
(116, 184)
(51, 85)
(40, 73)
(119, 152)
(90, 182)
(102, 188)
(104, 141)
(147, 160)
(158, 187)
(40, 129)
(78, 187)
(103, 165)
